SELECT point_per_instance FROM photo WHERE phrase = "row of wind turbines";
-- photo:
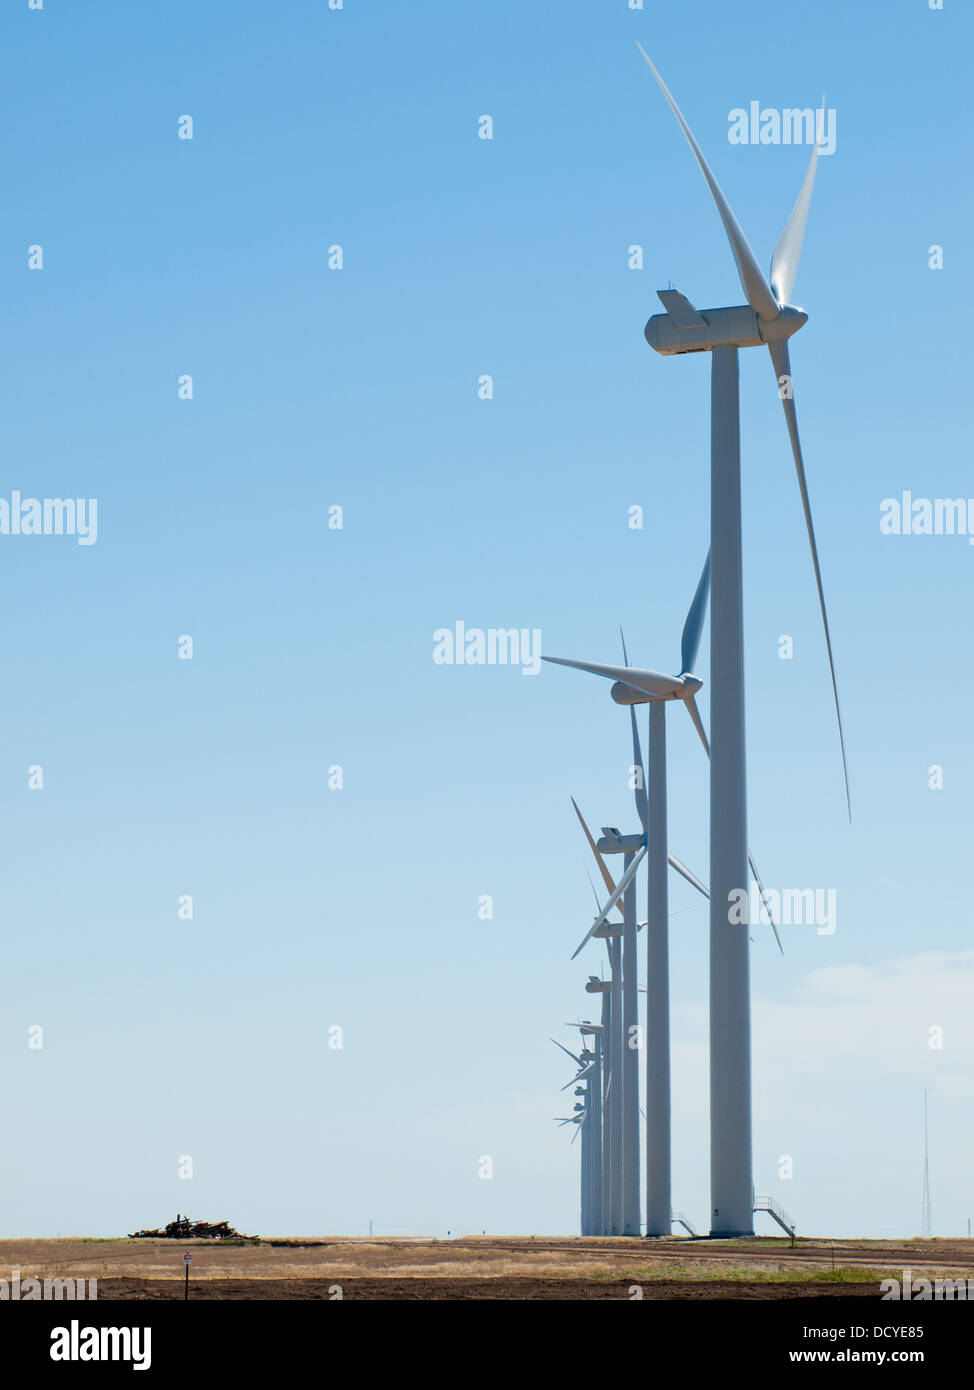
(607, 1112)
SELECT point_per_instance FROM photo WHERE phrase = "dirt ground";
(479, 1290)
(486, 1267)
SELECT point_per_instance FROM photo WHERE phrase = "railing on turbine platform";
(775, 1210)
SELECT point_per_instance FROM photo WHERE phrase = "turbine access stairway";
(678, 1216)
(768, 1204)
(779, 1214)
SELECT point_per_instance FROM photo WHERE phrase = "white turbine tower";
(768, 319)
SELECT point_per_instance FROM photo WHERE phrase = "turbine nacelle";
(614, 843)
(625, 693)
(609, 929)
(686, 329)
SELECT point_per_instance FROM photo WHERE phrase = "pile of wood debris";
(185, 1229)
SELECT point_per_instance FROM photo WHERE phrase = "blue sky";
(313, 647)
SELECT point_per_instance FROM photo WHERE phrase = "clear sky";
(165, 1038)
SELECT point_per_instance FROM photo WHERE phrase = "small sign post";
(187, 1261)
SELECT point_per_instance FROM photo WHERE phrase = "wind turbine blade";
(784, 263)
(756, 288)
(764, 899)
(592, 886)
(565, 1050)
(617, 893)
(694, 714)
(693, 626)
(782, 366)
(673, 912)
(654, 683)
(603, 867)
(582, 1075)
(625, 654)
(578, 1130)
(690, 878)
(642, 803)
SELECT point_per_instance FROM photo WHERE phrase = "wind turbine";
(632, 687)
(582, 1119)
(593, 1106)
(585, 1130)
(594, 1075)
(596, 985)
(623, 1111)
(606, 1163)
(636, 687)
(620, 1159)
(657, 1026)
(767, 319)
(627, 1033)
(614, 1127)
(589, 1072)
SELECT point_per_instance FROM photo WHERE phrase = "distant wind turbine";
(633, 687)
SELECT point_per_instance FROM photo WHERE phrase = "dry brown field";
(487, 1267)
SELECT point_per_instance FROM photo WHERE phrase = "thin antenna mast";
(926, 1220)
